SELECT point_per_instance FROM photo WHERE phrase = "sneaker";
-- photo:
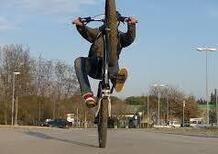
(89, 100)
(120, 80)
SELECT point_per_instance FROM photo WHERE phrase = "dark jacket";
(96, 49)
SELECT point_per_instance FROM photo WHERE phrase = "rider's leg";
(82, 69)
(85, 66)
(118, 76)
(113, 71)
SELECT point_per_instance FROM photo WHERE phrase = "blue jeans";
(91, 66)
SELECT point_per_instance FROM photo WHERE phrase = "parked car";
(186, 124)
(175, 124)
(45, 123)
(197, 123)
(59, 123)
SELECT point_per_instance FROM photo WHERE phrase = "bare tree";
(65, 85)
(43, 86)
(43, 75)
(175, 98)
(14, 58)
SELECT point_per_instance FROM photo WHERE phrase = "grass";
(204, 132)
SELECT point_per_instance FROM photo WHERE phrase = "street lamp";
(158, 102)
(13, 97)
(148, 106)
(206, 50)
(167, 108)
(183, 113)
(140, 118)
(216, 107)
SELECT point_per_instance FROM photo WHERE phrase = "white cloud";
(5, 24)
(47, 6)
(20, 10)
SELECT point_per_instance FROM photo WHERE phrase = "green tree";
(133, 100)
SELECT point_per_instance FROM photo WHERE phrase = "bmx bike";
(109, 32)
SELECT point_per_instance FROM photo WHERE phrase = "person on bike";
(92, 65)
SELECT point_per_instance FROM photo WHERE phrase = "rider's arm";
(127, 38)
(88, 33)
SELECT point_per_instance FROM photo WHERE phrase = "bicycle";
(110, 40)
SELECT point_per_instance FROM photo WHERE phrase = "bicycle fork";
(105, 95)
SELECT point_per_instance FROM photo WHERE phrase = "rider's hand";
(132, 20)
(77, 22)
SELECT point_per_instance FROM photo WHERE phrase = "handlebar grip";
(86, 19)
(125, 19)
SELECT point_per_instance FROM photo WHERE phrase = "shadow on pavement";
(45, 136)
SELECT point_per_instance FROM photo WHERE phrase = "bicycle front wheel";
(102, 124)
(111, 22)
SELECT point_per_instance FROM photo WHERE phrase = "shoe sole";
(90, 102)
(121, 78)
(90, 105)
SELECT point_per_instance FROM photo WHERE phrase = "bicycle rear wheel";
(111, 22)
(102, 124)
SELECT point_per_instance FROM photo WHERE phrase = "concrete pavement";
(82, 141)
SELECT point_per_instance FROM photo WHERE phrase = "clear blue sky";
(164, 50)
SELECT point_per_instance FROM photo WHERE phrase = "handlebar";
(89, 19)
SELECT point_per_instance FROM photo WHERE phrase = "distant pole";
(77, 117)
(216, 107)
(12, 104)
(206, 50)
(16, 111)
(158, 109)
(16, 102)
(183, 113)
(208, 116)
(54, 108)
(85, 120)
(148, 114)
(13, 99)
(167, 108)
(158, 86)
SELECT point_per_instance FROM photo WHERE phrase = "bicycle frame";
(104, 90)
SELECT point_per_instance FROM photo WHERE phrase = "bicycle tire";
(102, 124)
(111, 22)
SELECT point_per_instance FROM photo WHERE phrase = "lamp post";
(148, 106)
(158, 101)
(216, 107)
(13, 98)
(167, 108)
(183, 113)
(140, 119)
(206, 50)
